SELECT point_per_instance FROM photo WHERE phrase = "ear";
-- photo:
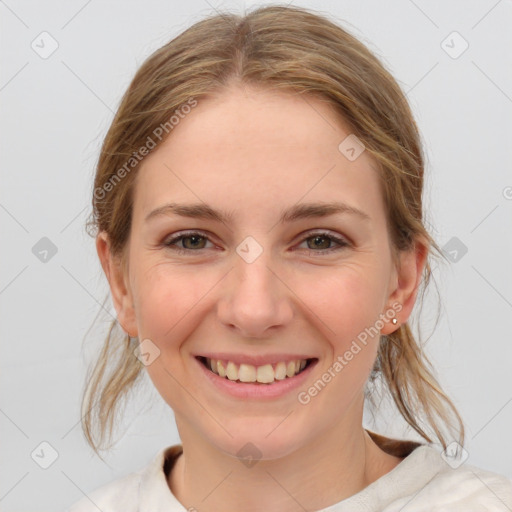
(405, 284)
(119, 285)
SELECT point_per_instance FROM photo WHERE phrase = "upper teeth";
(249, 373)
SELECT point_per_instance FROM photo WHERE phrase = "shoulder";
(472, 488)
(119, 493)
(427, 480)
(437, 484)
(131, 491)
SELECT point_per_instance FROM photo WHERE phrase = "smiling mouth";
(248, 373)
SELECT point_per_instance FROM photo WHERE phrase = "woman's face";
(278, 279)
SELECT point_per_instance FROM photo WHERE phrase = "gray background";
(54, 114)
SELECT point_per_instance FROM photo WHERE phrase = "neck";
(332, 467)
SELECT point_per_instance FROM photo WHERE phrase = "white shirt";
(422, 482)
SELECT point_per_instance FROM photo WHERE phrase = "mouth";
(265, 374)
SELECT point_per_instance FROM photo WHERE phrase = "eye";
(191, 241)
(321, 243)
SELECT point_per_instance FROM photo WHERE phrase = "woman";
(258, 215)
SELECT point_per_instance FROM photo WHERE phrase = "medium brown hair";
(301, 52)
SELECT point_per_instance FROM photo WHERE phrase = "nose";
(255, 300)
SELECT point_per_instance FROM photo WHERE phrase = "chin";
(253, 439)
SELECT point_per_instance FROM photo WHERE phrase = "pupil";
(317, 238)
(195, 238)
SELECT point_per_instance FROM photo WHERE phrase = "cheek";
(344, 302)
(347, 306)
(169, 302)
(171, 305)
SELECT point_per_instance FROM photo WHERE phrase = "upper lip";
(255, 360)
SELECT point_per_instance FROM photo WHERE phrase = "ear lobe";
(409, 275)
(118, 283)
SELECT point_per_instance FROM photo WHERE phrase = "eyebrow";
(297, 212)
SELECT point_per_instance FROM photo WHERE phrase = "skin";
(254, 152)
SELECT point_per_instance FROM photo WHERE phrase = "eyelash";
(170, 243)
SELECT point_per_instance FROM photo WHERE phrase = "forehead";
(254, 147)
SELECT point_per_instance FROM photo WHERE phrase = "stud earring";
(394, 321)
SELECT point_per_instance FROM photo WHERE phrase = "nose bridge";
(254, 299)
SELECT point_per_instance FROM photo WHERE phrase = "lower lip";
(248, 390)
